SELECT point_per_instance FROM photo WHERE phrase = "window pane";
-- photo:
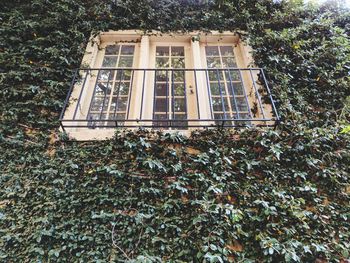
(106, 75)
(102, 88)
(226, 51)
(217, 104)
(120, 103)
(161, 105)
(179, 75)
(241, 104)
(179, 89)
(215, 75)
(121, 88)
(232, 74)
(177, 51)
(99, 104)
(112, 50)
(109, 62)
(177, 62)
(123, 75)
(162, 51)
(236, 86)
(215, 89)
(212, 51)
(127, 50)
(162, 62)
(179, 105)
(213, 62)
(125, 62)
(228, 63)
(161, 76)
(161, 89)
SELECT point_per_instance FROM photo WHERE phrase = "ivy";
(248, 195)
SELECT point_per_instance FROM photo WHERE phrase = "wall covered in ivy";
(252, 195)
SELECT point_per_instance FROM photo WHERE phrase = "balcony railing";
(168, 98)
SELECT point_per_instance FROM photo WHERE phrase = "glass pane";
(241, 104)
(161, 105)
(161, 76)
(177, 51)
(109, 62)
(215, 89)
(212, 51)
(178, 75)
(236, 86)
(125, 62)
(120, 103)
(112, 50)
(217, 104)
(232, 74)
(179, 89)
(214, 62)
(106, 75)
(123, 75)
(214, 75)
(226, 51)
(177, 62)
(121, 88)
(103, 89)
(228, 63)
(179, 105)
(127, 50)
(99, 104)
(162, 51)
(162, 62)
(161, 89)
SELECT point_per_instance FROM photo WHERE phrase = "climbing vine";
(248, 195)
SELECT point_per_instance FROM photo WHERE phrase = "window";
(169, 82)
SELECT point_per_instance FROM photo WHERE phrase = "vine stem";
(115, 245)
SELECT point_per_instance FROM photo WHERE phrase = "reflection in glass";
(106, 75)
(125, 62)
(226, 51)
(161, 89)
(121, 88)
(177, 51)
(212, 51)
(127, 50)
(214, 62)
(179, 90)
(161, 105)
(178, 62)
(179, 105)
(162, 51)
(228, 63)
(99, 104)
(103, 88)
(162, 62)
(112, 50)
(109, 62)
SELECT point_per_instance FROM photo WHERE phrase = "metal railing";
(168, 98)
